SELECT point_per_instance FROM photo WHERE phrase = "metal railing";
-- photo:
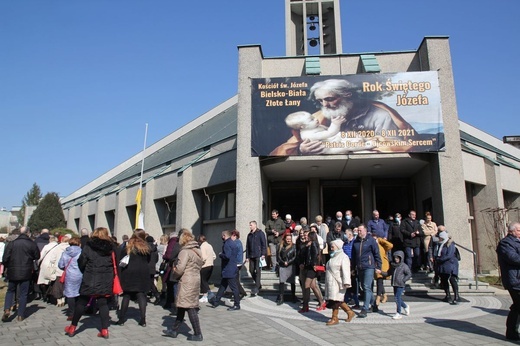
(474, 263)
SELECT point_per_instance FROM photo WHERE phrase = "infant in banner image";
(310, 127)
(307, 127)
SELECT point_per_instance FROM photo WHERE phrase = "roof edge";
(151, 149)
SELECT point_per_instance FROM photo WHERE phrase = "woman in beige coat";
(187, 271)
(337, 280)
(208, 257)
(49, 271)
(429, 229)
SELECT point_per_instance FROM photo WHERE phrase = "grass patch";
(490, 279)
(3, 290)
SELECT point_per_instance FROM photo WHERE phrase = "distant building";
(9, 219)
(240, 160)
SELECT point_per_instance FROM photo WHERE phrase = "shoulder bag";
(62, 277)
(116, 285)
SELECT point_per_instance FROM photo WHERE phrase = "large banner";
(362, 113)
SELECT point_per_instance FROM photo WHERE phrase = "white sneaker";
(406, 311)
(204, 299)
(397, 316)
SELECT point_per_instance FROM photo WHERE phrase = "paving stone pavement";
(479, 320)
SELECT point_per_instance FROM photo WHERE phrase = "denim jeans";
(23, 292)
(366, 277)
(353, 291)
(272, 248)
(398, 295)
(413, 257)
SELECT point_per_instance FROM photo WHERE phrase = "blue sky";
(79, 79)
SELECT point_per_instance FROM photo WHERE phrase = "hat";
(288, 217)
(67, 236)
(338, 243)
(298, 228)
(149, 239)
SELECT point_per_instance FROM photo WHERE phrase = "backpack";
(457, 254)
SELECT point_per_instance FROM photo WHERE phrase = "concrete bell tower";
(312, 27)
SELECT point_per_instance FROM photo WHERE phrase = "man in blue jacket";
(508, 252)
(235, 236)
(365, 260)
(377, 226)
(229, 272)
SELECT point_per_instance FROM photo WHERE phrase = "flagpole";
(142, 156)
(139, 215)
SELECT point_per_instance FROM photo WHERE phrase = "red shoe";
(70, 330)
(304, 310)
(322, 307)
(103, 333)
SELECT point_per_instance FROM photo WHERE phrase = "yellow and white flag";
(139, 216)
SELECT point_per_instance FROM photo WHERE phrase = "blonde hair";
(164, 239)
(186, 237)
(102, 233)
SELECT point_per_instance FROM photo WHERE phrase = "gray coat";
(400, 271)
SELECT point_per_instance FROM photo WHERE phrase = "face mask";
(355, 235)
(397, 219)
(338, 218)
(349, 217)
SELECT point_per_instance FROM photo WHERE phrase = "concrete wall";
(248, 178)
(474, 168)
(449, 192)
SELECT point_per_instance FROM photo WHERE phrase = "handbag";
(163, 266)
(62, 277)
(55, 289)
(124, 261)
(116, 285)
(319, 268)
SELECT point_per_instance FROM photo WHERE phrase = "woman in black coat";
(96, 264)
(310, 261)
(135, 276)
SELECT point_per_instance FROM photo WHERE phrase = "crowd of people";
(345, 254)
(93, 274)
(81, 272)
(351, 256)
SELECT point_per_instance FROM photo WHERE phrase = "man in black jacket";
(350, 221)
(255, 251)
(508, 250)
(18, 259)
(84, 237)
(42, 239)
(411, 232)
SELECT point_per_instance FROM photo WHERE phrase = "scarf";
(444, 236)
